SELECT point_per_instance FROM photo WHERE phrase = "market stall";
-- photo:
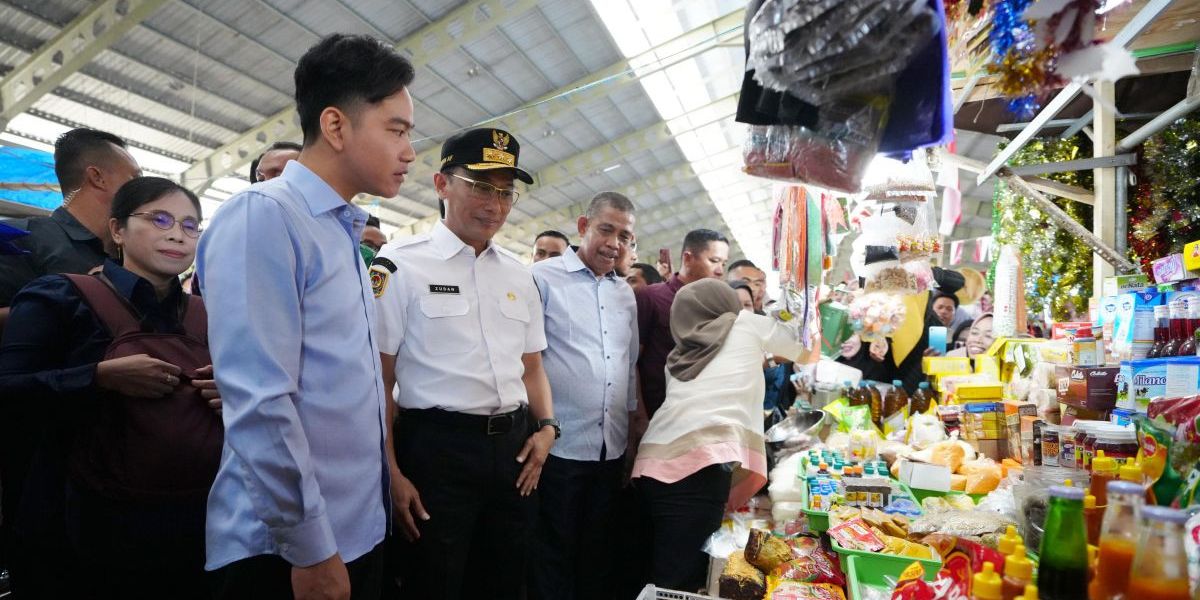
(1060, 465)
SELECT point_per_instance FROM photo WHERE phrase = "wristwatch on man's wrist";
(542, 424)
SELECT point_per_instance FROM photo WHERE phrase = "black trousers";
(573, 553)
(269, 577)
(683, 515)
(475, 543)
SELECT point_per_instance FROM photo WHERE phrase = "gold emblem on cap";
(512, 297)
(500, 139)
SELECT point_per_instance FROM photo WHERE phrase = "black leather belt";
(486, 424)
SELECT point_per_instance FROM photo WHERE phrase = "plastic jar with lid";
(1082, 430)
(1121, 445)
(1066, 446)
(1051, 446)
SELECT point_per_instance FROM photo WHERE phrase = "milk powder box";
(1138, 329)
(1122, 332)
(1122, 284)
(1139, 381)
(1183, 376)
(1143, 380)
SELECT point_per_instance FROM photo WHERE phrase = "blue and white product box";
(1183, 376)
(1140, 381)
(1143, 321)
(1122, 417)
(1122, 334)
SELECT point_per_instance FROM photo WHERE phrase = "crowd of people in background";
(288, 404)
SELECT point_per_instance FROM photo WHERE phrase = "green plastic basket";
(818, 520)
(921, 495)
(859, 580)
(874, 566)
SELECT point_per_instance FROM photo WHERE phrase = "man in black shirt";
(91, 165)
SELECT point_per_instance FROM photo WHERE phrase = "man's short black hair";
(649, 273)
(274, 147)
(697, 240)
(77, 149)
(554, 234)
(739, 263)
(344, 70)
(372, 221)
(615, 200)
(937, 295)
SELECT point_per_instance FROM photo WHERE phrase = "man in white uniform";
(461, 332)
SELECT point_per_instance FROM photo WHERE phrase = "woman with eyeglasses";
(115, 368)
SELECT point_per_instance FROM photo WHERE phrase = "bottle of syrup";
(1063, 569)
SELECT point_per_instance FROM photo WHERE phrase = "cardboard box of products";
(1170, 269)
(1091, 388)
(979, 391)
(1191, 256)
(996, 450)
(1123, 284)
(924, 476)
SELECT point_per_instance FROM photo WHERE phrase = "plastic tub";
(921, 495)
(818, 520)
(874, 566)
(859, 579)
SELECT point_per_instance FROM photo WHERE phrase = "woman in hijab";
(979, 338)
(704, 449)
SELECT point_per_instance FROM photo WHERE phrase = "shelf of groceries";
(1054, 468)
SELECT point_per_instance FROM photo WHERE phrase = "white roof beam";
(87, 35)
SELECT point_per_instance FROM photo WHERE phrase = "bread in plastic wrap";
(960, 523)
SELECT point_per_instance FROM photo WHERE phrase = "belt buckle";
(499, 424)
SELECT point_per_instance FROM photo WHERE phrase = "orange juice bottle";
(1160, 569)
(1118, 541)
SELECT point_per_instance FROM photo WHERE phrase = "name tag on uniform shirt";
(443, 289)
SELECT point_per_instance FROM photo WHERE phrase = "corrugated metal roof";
(241, 54)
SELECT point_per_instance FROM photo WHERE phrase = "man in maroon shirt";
(705, 253)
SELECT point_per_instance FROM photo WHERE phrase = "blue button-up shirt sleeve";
(253, 291)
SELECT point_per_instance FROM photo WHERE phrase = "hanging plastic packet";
(1156, 440)
(834, 155)
(881, 253)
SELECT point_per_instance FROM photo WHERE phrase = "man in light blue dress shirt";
(299, 506)
(590, 359)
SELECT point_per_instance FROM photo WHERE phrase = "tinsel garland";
(1015, 59)
(1058, 267)
(1164, 212)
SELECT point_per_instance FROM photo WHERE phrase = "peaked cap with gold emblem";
(483, 150)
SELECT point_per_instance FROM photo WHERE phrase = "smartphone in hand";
(664, 259)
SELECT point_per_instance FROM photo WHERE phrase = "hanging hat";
(973, 287)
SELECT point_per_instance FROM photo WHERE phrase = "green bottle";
(1063, 570)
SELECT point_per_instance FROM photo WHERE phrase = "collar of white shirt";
(448, 243)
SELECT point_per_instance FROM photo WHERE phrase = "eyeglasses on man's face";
(483, 189)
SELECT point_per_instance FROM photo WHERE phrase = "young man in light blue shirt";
(299, 508)
(590, 359)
